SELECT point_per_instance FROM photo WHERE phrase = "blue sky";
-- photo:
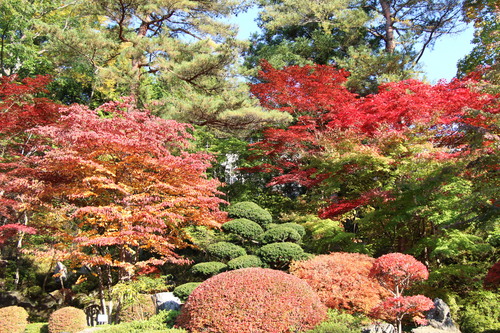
(439, 63)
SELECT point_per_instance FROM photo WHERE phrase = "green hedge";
(280, 234)
(279, 255)
(184, 290)
(225, 250)
(244, 262)
(244, 228)
(251, 211)
(208, 269)
(297, 227)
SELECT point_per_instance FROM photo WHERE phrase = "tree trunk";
(390, 41)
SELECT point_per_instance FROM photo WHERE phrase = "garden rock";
(167, 301)
(379, 328)
(439, 319)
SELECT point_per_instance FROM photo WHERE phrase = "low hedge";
(184, 290)
(252, 211)
(225, 250)
(280, 234)
(244, 228)
(244, 262)
(280, 255)
(207, 269)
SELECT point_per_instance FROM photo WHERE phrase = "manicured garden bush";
(68, 319)
(184, 290)
(244, 228)
(251, 211)
(13, 319)
(140, 308)
(209, 268)
(297, 227)
(225, 250)
(280, 234)
(280, 255)
(254, 300)
(341, 280)
(245, 262)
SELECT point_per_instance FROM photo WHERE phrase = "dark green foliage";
(184, 290)
(480, 312)
(225, 250)
(244, 228)
(207, 269)
(37, 328)
(244, 262)
(160, 323)
(340, 322)
(250, 210)
(280, 234)
(297, 227)
(279, 255)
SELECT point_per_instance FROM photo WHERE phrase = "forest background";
(126, 124)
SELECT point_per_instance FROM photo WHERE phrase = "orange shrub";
(13, 319)
(341, 280)
(68, 319)
(257, 300)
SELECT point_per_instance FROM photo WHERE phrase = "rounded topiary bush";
(342, 281)
(207, 269)
(280, 234)
(13, 319)
(141, 308)
(184, 290)
(251, 211)
(280, 255)
(245, 262)
(68, 319)
(297, 227)
(252, 300)
(244, 228)
(225, 250)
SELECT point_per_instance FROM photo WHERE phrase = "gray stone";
(439, 320)
(167, 301)
(379, 328)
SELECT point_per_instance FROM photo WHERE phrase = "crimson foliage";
(252, 300)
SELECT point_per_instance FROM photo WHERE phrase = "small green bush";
(161, 322)
(297, 227)
(280, 234)
(244, 228)
(184, 290)
(141, 307)
(207, 269)
(480, 312)
(340, 322)
(251, 211)
(68, 319)
(244, 262)
(13, 319)
(225, 250)
(279, 255)
(37, 328)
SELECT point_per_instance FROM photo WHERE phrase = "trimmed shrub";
(184, 290)
(68, 319)
(280, 255)
(140, 308)
(280, 234)
(13, 319)
(245, 262)
(37, 328)
(251, 211)
(208, 269)
(225, 250)
(342, 280)
(297, 227)
(244, 228)
(341, 322)
(254, 300)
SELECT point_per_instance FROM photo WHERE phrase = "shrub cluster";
(225, 250)
(140, 308)
(244, 228)
(13, 319)
(68, 319)
(184, 290)
(207, 269)
(280, 234)
(252, 300)
(342, 280)
(251, 211)
(245, 262)
(279, 255)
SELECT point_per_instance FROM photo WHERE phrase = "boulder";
(379, 328)
(439, 320)
(167, 301)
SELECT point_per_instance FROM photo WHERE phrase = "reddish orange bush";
(68, 319)
(341, 280)
(254, 300)
(13, 319)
